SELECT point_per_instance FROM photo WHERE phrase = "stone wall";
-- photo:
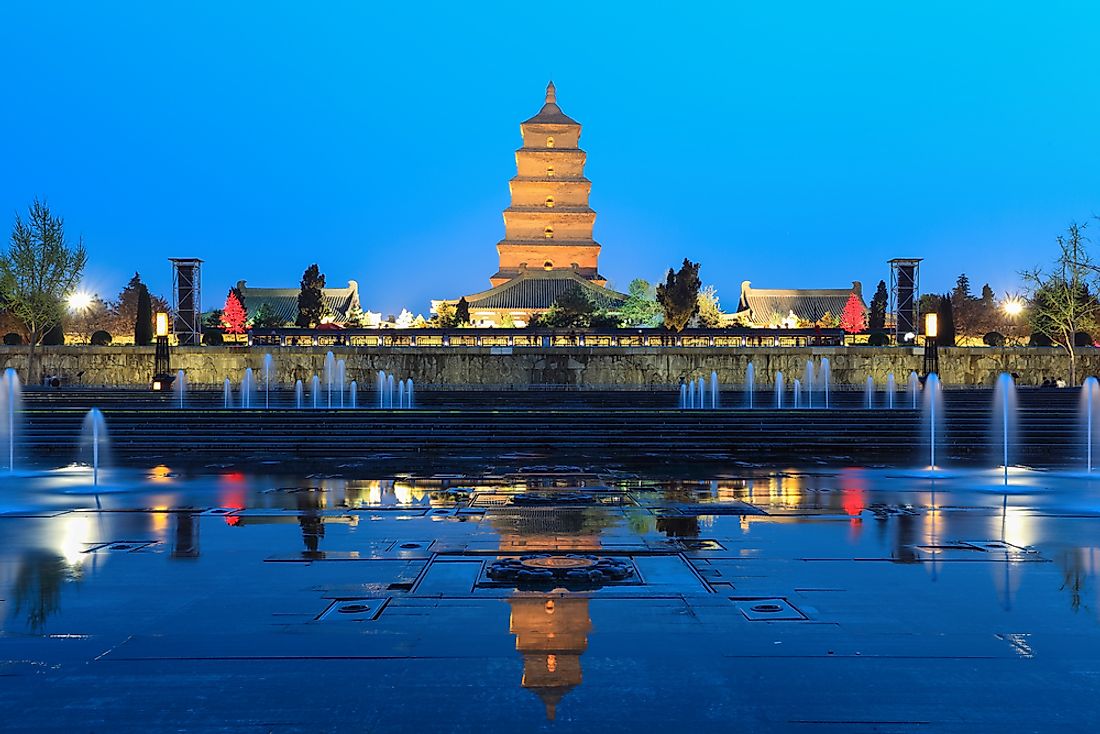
(595, 367)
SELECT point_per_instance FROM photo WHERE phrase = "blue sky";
(794, 144)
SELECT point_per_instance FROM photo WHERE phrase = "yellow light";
(1013, 307)
(162, 323)
(931, 325)
(79, 301)
(157, 385)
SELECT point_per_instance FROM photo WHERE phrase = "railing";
(545, 338)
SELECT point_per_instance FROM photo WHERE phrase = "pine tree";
(143, 320)
(962, 288)
(879, 302)
(233, 314)
(679, 295)
(853, 319)
(462, 311)
(945, 322)
(311, 301)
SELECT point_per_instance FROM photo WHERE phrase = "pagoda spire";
(551, 94)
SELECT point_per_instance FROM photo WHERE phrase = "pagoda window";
(548, 265)
(549, 232)
(549, 171)
(550, 141)
(549, 202)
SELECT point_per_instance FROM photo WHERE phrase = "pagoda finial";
(551, 94)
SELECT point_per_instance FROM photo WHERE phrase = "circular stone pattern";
(571, 571)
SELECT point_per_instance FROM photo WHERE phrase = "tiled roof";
(551, 114)
(534, 290)
(808, 304)
(284, 301)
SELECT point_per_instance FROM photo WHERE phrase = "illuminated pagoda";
(548, 245)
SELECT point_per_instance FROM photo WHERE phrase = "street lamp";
(931, 354)
(162, 375)
(79, 301)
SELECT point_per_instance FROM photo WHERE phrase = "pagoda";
(548, 245)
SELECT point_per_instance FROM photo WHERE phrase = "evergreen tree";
(311, 301)
(123, 311)
(641, 307)
(987, 295)
(446, 316)
(962, 288)
(945, 318)
(462, 312)
(572, 308)
(679, 295)
(879, 302)
(265, 317)
(853, 319)
(233, 315)
(143, 320)
(710, 310)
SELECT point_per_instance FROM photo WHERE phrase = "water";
(94, 443)
(1090, 403)
(683, 395)
(409, 394)
(891, 391)
(353, 394)
(933, 415)
(381, 389)
(713, 390)
(267, 380)
(298, 394)
(869, 393)
(315, 391)
(796, 388)
(341, 377)
(750, 380)
(330, 375)
(11, 409)
(691, 394)
(248, 389)
(1004, 419)
(779, 390)
(914, 389)
(389, 390)
(702, 393)
(401, 394)
(227, 394)
(180, 388)
(825, 378)
(808, 383)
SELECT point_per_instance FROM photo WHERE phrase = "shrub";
(1082, 339)
(101, 338)
(212, 338)
(994, 339)
(11, 339)
(1039, 339)
(878, 339)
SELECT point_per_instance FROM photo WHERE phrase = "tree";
(38, 270)
(945, 322)
(311, 300)
(233, 314)
(853, 319)
(679, 295)
(84, 321)
(640, 307)
(122, 313)
(462, 312)
(572, 308)
(265, 317)
(143, 321)
(928, 303)
(446, 316)
(1061, 304)
(962, 288)
(710, 310)
(876, 320)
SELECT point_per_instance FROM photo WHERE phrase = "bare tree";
(1061, 302)
(36, 273)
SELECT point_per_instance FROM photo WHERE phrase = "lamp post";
(162, 367)
(931, 355)
(1012, 306)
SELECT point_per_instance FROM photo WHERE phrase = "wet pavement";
(850, 600)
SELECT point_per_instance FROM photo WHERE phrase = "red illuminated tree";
(854, 317)
(233, 315)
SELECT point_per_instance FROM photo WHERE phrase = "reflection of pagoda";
(552, 634)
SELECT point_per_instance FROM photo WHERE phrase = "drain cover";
(558, 562)
(768, 609)
(353, 610)
(120, 546)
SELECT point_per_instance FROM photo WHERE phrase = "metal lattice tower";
(187, 300)
(905, 296)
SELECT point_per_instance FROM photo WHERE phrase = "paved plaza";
(847, 600)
